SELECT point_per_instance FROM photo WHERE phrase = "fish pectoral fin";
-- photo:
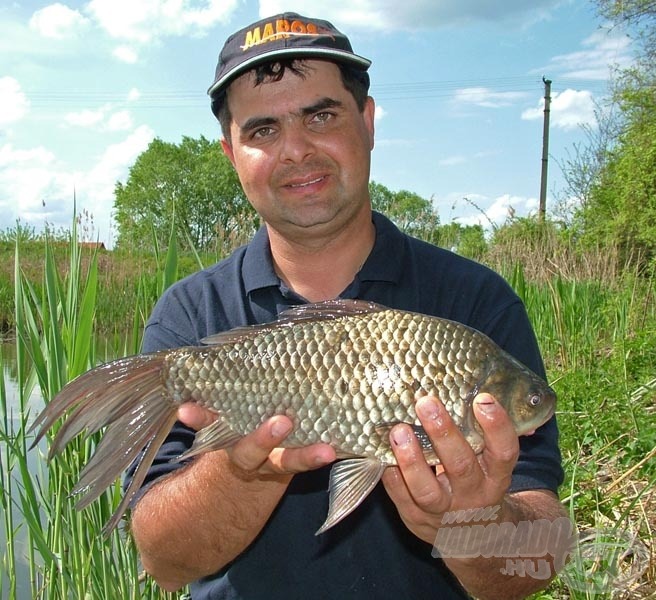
(216, 436)
(383, 429)
(351, 481)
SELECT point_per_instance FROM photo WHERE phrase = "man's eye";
(322, 117)
(262, 132)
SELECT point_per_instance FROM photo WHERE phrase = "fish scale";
(343, 371)
(327, 368)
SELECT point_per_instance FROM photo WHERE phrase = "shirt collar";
(384, 263)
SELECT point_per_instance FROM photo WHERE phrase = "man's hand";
(184, 535)
(464, 479)
(260, 452)
(467, 481)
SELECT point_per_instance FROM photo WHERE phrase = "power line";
(413, 90)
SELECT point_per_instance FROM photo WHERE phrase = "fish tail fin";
(127, 396)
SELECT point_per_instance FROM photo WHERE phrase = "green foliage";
(620, 194)
(596, 334)
(192, 184)
(409, 211)
(622, 203)
(66, 556)
(466, 240)
(597, 342)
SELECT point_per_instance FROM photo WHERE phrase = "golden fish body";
(343, 371)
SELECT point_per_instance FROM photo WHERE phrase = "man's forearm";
(494, 577)
(201, 517)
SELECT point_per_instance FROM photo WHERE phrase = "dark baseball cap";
(287, 35)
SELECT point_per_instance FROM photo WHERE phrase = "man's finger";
(195, 416)
(501, 442)
(253, 450)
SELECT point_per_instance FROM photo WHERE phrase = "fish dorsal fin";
(317, 311)
(351, 481)
(329, 309)
(237, 334)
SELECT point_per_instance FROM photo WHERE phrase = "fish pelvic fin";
(129, 398)
(216, 436)
(384, 429)
(351, 481)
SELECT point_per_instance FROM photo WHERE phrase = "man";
(298, 127)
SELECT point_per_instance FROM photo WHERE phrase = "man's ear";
(227, 150)
(369, 114)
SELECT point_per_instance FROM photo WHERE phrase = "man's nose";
(297, 144)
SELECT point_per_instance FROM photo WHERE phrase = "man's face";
(301, 148)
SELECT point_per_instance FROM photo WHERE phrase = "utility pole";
(542, 210)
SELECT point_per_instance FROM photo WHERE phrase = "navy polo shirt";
(370, 554)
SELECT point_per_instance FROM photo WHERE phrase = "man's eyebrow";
(320, 105)
(256, 122)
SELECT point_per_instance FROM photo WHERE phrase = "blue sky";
(85, 86)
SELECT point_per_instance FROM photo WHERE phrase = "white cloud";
(379, 113)
(569, 109)
(126, 54)
(133, 95)
(28, 179)
(477, 209)
(451, 161)
(487, 98)
(96, 189)
(418, 14)
(57, 21)
(36, 188)
(120, 121)
(10, 156)
(104, 118)
(85, 118)
(508, 205)
(601, 51)
(142, 21)
(13, 101)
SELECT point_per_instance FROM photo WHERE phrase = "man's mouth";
(305, 183)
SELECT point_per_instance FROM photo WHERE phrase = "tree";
(409, 211)
(191, 184)
(466, 240)
(637, 15)
(620, 190)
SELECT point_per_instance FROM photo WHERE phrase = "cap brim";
(359, 62)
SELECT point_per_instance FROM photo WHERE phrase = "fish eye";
(535, 400)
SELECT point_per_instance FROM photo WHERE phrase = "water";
(35, 465)
(11, 422)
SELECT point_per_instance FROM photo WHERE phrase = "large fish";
(344, 371)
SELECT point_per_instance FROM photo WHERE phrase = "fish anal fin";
(216, 436)
(351, 481)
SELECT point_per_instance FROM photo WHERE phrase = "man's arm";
(467, 482)
(196, 520)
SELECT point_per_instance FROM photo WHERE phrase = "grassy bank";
(595, 320)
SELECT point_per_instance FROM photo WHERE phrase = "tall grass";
(598, 344)
(596, 327)
(66, 554)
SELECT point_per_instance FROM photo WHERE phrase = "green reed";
(61, 550)
(597, 341)
(598, 345)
